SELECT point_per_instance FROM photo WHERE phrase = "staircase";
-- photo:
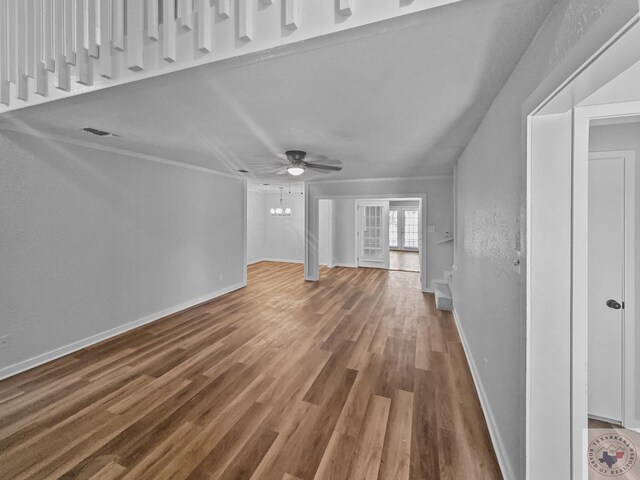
(442, 290)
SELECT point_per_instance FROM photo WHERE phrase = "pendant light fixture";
(281, 211)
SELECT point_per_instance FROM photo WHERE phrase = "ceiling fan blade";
(322, 159)
(322, 168)
(281, 171)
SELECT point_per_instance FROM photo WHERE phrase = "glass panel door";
(410, 230)
(393, 229)
(373, 235)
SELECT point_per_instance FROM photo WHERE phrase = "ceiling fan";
(297, 162)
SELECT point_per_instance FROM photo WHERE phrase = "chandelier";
(280, 211)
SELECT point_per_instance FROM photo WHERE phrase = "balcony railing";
(55, 48)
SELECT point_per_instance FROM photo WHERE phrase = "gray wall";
(90, 241)
(275, 238)
(256, 216)
(489, 295)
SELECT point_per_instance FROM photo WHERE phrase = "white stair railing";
(55, 48)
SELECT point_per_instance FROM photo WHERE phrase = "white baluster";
(204, 25)
(185, 13)
(91, 29)
(291, 14)
(5, 86)
(106, 29)
(224, 8)
(62, 67)
(344, 7)
(245, 25)
(153, 32)
(135, 35)
(48, 36)
(118, 25)
(21, 44)
(70, 32)
(40, 68)
(169, 30)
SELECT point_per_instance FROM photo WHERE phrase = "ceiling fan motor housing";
(296, 156)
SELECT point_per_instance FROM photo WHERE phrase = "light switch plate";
(431, 229)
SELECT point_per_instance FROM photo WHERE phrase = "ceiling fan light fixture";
(295, 170)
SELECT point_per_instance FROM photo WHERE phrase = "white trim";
(385, 179)
(494, 432)
(345, 265)
(32, 362)
(245, 224)
(585, 66)
(281, 260)
(117, 151)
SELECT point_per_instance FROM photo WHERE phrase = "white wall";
(491, 185)
(625, 137)
(256, 217)
(344, 249)
(404, 203)
(90, 241)
(279, 238)
(439, 213)
(325, 232)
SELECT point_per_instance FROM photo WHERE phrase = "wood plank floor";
(405, 261)
(354, 377)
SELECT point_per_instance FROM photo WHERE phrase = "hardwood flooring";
(357, 376)
(405, 261)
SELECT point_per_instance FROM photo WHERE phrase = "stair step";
(444, 299)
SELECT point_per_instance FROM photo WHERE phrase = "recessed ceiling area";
(394, 99)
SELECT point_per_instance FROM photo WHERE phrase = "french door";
(403, 229)
(373, 234)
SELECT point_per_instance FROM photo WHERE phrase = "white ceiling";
(394, 99)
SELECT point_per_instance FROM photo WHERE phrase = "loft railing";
(55, 48)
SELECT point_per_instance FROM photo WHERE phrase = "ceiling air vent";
(95, 131)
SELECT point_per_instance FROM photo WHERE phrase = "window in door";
(410, 239)
(393, 229)
(373, 233)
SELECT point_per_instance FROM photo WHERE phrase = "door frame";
(556, 284)
(403, 209)
(629, 415)
(563, 297)
(385, 232)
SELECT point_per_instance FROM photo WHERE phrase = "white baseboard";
(496, 439)
(345, 265)
(32, 362)
(281, 260)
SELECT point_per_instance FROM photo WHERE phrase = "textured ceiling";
(394, 99)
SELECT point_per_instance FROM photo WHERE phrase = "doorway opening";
(404, 235)
(563, 290)
(388, 234)
(371, 233)
(612, 245)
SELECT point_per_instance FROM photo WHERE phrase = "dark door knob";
(613, 304)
